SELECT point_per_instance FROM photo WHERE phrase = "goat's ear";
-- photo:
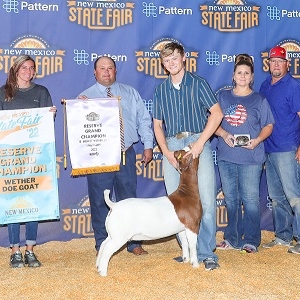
(176, 154)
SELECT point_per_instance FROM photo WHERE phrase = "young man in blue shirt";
(182, 103)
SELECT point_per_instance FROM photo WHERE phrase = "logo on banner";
(100, 15)
(149, 63)
(77, 220)
(229, 15)
(276, 14)
(151, 10)
(48, 60)
(17, 6)
(154, 169)
(292, 48)
(21, 207)
(84, 57)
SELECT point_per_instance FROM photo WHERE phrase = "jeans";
(240, 185)
(282, 172)
(123, 183)
(207, 188)
(14, 233)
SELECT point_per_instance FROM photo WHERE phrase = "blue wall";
(65, 37)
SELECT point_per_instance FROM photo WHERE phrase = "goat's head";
(184, 162)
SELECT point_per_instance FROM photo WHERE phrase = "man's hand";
(147, 156)
(53, 109)
(82, 97)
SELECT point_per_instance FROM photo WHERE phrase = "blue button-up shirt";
(136, 118)
(284, 100)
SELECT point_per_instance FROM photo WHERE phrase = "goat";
(154, 218)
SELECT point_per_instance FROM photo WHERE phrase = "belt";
(127, 148)
(183, 134)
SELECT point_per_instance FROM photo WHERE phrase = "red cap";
(278, 52)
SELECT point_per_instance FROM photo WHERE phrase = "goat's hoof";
(186, 259)
(102, 273)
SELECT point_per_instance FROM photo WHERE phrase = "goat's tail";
(107, 199)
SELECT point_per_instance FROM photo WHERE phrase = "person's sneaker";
(210, 264)
(277, 243)
(31, 260)
(295, 249)
(16, 260)
(178, 259)
(224, 245)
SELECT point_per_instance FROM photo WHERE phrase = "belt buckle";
(183, 134)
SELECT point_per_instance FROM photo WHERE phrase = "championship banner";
(28, 179)
(94, 142)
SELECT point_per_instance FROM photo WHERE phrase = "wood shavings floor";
(68, 272)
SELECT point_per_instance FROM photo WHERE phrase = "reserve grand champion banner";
(28, 180)
(94, 142)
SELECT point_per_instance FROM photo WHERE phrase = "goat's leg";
(192, 244)
(184, 246)
(101, 250)
(109, 248)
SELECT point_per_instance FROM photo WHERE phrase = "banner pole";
(63, 101)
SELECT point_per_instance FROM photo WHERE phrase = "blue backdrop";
(65, 38)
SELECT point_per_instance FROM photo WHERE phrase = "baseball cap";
(278, 52)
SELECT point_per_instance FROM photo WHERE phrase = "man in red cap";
(282, 148)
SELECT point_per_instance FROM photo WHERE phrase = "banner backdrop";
(27, 166)
(65, 38)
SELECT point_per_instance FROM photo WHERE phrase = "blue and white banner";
(28, 181)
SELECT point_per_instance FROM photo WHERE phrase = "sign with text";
(28, 180)
(93, 135)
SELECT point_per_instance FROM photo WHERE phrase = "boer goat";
(155, 218)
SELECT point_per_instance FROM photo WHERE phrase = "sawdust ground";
(68, 272)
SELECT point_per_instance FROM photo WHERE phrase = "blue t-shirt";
(284, 100)
(243, 115)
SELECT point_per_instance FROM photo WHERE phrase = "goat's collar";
(187, 166)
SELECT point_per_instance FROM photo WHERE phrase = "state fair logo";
(48, 60)
(149, 63)
(229, 15)
(154, 170)
(100, 15)
(292, 48)
(77, 219)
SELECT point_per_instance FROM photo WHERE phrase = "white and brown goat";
(154, 218)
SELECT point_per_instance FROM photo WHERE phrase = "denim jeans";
(240, 185)
(30, 233)
(123, 183)
(282, 172)
(207, 188)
